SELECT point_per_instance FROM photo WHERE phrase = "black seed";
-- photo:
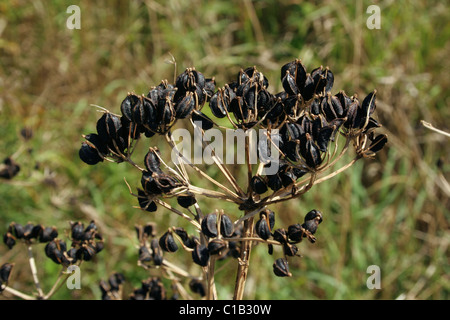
(217, 246)
(145, 203)
(324, 137)
(108, 127)
(262, 228)
(210, 86)
(186, 201)
(166, 182)
(144, 254)
(91, 226)
(17, 230)
(167, 242)
(48, 234)
(280, 235)
(36, 232)
(289, 84)
(184, 106)
(209, 225)
(312, 220)
(191, 242)
(127, 106)
(157, 253)
(226, 226)
(9, 240)
(197, 286)
(89, 155)
(77, 230)
(296, 232)
(368, 105)
(217, 105)
(200, 255)
(274, 182)
(281, 268)
(5, 272)
(258, 184)
(94, 141)
(308, 90)
(149, 184)
(310, 152)
(314, 215)
(152, 162)
(290, 249)
(378, 143)
(182, 234)
(202, 120)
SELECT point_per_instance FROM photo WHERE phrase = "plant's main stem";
(244, 261)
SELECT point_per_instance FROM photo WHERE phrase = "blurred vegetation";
(392, 211)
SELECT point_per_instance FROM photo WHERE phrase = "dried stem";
(219, 164)
(183, 159)
(244, 260)
(18, 293)
(34, 272)
(211, 293)
(57, 283)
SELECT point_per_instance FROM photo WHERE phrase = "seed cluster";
(305, 123)
(86, 242)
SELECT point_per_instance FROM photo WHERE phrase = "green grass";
(391, 211)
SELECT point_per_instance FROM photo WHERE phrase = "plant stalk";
(244, 260)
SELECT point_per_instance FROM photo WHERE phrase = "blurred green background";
(392, 211)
